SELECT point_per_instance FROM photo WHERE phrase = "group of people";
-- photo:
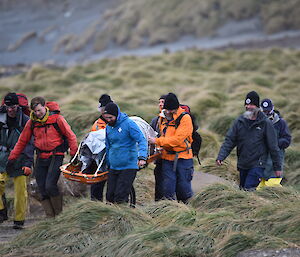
(260, 137)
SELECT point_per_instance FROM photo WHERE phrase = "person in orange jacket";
(97, 188)
(177, 156)
(52, 137)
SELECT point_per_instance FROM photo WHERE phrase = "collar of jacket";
(43, 120)
(175, 116)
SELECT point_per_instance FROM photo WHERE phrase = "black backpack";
(197, 139)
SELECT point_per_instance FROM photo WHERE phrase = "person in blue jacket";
(282, 132)
(126, 151)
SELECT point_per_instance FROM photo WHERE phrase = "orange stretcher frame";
(73, 172)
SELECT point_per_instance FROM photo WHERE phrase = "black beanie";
(112, 109)
(104, 100)
(252, 98)
(11, 99)
(171, 102)
(163, 97)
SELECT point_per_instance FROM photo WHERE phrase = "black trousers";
(97, 191)
(47, 173)
(159, 186)
(119, 184)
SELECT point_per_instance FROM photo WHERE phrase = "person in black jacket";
(282, 133)
(158, 194)
(12, 122)
(254, 136)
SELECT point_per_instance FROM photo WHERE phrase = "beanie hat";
(162, 97)
(171, 102)
(104, 100)
(252, 98)
(11, 99)
(112, 109)
(267, 105)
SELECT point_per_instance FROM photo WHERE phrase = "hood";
(121, 117)
(276, 118)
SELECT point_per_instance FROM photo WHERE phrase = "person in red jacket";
(50, 132)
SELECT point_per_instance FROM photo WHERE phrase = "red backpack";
(23, 103)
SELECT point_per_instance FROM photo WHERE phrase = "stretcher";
(72, 171)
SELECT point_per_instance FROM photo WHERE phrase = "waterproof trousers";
(119, 184)
(20, 195)
(177, 180)
(47, 173)
(97, 191)
(159, 189)
(250, 179)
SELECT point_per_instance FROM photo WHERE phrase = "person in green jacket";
(12, 122)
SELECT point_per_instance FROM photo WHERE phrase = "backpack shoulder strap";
(177, 121)
(55, 125)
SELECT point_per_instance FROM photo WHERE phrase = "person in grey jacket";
(282, 132)
(254, 136)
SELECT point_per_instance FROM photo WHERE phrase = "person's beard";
(251, 113)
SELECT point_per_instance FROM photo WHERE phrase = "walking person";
(254, 136)
(177, 156)
(97, 188)
(52, 137)
(282, 133)
(158, 194)
(12, 122)
(126, 151)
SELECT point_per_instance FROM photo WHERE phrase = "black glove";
(10, 166)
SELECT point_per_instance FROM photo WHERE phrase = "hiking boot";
(18, 224)
(3, 215)
(47, 206)
(57, 204)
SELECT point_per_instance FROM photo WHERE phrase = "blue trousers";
(249, 179)
(178, 182)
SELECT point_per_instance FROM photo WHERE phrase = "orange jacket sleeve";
(67, 131)
(22, 141)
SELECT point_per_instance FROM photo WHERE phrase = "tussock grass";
(217, 216)
(219, 221)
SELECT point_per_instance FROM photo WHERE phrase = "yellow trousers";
(20, 195)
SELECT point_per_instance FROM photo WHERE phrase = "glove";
(10, 166)
(27, 171)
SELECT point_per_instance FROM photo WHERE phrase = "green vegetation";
(221, 220)
(134, 23)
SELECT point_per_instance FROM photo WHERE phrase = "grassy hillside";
(220, 220)
(213, 83)
(148, 22)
